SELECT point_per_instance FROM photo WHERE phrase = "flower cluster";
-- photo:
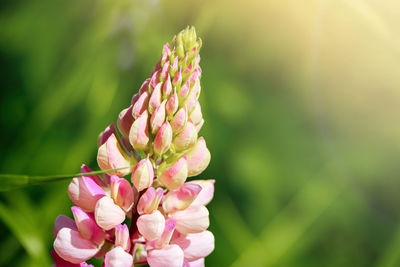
(161, 219)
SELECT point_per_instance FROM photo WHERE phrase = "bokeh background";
(302, 107)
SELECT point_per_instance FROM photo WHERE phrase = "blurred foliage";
(301, 101)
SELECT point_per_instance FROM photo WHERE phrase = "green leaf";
(14, 181)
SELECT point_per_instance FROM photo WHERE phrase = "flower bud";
(196, 116)
(175, 175)
(107, 214)
(167, 87)
(163, 139)
(164, 71)
(117, 257)
(103, 136)
(87, 226)
(155, 77)
(122, 237)
(196, 246)
(72, 247)
(155, 98)
(186, 138)
(170, 255)
(198, 126)
(174, 68)
(111, 156)
(158, 117)
(125, 120)
(135, 98)
(151, 226)
(198, 158)
(121, 192)
(177, 80)
(166, 235)
(178, 122)
(150, 200)
(141, 105)
(207, 192)
(181, 198)
(139, 133)
(84, 192)
(184, 91)
(143, 174)
(172, 105)
(194, 219)
(145, 86)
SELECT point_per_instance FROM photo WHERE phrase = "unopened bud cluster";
(160, 219)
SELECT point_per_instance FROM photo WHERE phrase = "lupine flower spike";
(160, 218)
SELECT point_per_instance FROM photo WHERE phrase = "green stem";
(14, 181)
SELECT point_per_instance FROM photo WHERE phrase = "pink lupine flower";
(158, 146)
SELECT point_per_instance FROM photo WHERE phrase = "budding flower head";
(160, 219)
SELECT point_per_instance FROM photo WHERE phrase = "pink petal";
(196, 246)
(125, 120)
(72, 247)
(170, 255)
(107, 214)
(175, 176)
(166, 235)
(181, 198)
(141, 104)
(117, 257)
(63, 222)
(151, 226)
(178, 122)
(158, 117)
(194, 219)
(60, 262)
(155, 98)
(122, 237)
(84, 192)
(150, 200)
(196, 263)
(198, 158)
(186, 138)
(172, 105)
(139, 132)
(143, 174)
(121, 192)
(87, 226)
(106, 134)
(207, 192)
(163, 139)
(112, 156)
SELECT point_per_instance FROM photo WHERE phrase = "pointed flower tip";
(143, 174)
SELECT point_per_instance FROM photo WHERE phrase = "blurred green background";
(301, 101)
